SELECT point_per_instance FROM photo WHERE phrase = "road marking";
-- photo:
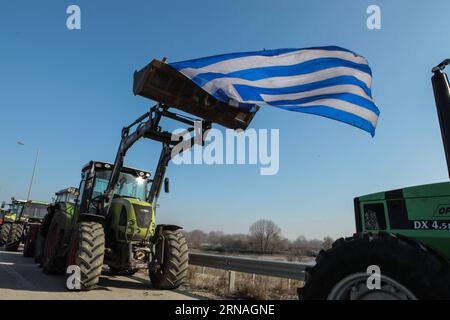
(7, 263)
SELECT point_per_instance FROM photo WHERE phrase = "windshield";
(15, 208)
(66, 197)
(128, 185)
(34, 210)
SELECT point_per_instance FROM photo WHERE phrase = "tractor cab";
(15, 209)
(95, 175)
(33, 211)
(67, 195)
(131, 218)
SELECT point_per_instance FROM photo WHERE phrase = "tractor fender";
(160, 228)
(171, 227)
(89, 217)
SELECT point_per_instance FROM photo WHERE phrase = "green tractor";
(402, 238)
(24, 218)
(64, 208)
(9, 217)
(113, 222)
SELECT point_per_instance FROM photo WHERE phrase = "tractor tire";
(6, 227)
(173, 270)
(14, 237)
(87, 250)
(42, 235)
(29, 246)
(39, 250)
(28, 250)
(51, 262)
(408, 270)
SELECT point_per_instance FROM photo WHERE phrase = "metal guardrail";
(282, 269)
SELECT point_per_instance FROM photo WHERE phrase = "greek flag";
(328, 81)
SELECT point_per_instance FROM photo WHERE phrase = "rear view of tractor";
(28, 215)
(403, 234)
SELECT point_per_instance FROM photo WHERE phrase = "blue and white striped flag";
(329, 81)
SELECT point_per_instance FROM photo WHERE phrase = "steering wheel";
(93, 204)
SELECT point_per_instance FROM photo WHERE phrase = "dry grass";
(247, 286)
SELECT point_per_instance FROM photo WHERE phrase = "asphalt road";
(21, 278)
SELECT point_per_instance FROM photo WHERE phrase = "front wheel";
(14, 237)
(4, 233)
(87, 250)
(172, 272)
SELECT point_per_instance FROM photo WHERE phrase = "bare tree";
(264, 232)
(195, 238)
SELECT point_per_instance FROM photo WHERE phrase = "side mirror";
(166, 185)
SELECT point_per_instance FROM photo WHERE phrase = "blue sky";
(69, 93)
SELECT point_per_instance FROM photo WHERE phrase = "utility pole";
(32, 175)
(34, 169)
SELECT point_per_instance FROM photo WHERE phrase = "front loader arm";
(441, 90)
(148, 126)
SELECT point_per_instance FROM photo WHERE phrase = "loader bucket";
(162, 83)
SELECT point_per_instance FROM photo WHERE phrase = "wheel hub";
(354, 287)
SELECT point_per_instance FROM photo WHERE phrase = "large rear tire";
(39, 250)
(51, 262)
(87, 250)
(6, 227)
(14, 237)
(408, 270)
(29, 245)
(173, 270)
(42, 236)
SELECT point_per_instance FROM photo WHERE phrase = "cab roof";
(30, 202)
(104, 165)
(71, 190)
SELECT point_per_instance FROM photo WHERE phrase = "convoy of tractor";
(110, 219)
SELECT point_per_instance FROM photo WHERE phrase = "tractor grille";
(143, 215)
(374, 218)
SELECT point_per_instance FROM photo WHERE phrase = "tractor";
(113, 222)
(25, 218)
(63, 206)
(402, 237)
(2, 215)
(9, 217)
